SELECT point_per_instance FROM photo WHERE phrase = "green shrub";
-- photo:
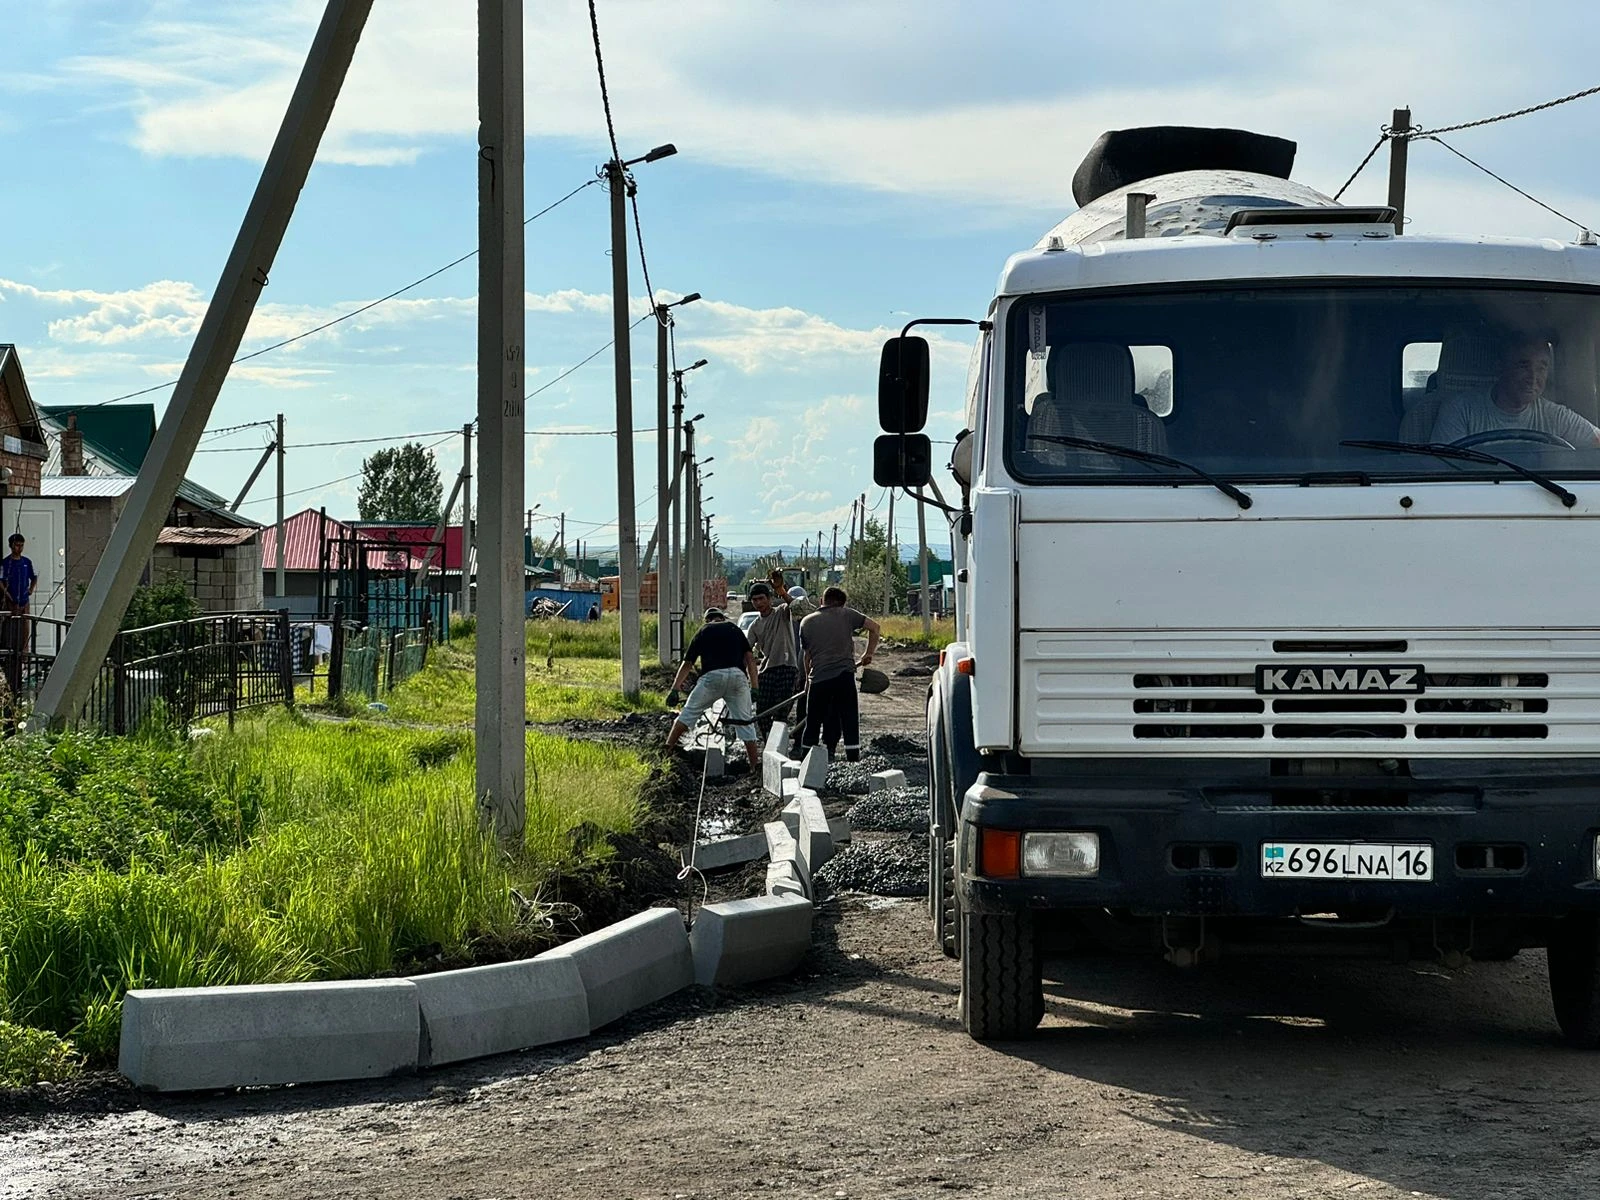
(29, 1056)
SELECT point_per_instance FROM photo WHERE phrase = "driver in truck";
(1515, 400)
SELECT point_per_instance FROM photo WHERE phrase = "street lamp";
(621, 186)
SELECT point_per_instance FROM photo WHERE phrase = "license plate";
(1400, 862)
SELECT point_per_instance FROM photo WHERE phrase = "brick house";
(22, 441)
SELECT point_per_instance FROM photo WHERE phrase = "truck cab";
(1275, 593)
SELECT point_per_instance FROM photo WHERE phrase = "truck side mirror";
(902, 460)
(903, 385)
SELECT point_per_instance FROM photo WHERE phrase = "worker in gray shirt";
(832, 709)
(773, 636)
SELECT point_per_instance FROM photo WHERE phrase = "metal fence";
(178, 671)
(369, 660)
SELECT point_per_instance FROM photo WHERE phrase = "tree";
(400, 485)
(868, 558)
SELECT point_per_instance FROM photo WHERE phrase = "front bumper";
(1151, 829)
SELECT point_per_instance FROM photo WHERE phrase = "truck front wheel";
(1002, 992)
(1574, 955)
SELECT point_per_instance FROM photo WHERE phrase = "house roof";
(200, 535)
(16, 389)
(302, 544)
(417, 538)
(83, 487)
(116, 438)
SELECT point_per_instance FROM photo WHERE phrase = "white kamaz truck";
(1278, 599)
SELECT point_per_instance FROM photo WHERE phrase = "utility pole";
(691, 510)
(676, 572)
(561, 564)
(466, 518)
(922, 559)
(282, 603)
(1399, 147)
(833, 555)
(216, 343)
(663, 625)
(891, 552)
(619, 183)
(502, 328)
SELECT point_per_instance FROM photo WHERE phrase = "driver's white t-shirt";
(1467, 413)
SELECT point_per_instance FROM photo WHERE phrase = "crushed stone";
(881, 866)
(894, 810)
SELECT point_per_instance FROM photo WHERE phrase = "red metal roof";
(303, 535)
(417, 538)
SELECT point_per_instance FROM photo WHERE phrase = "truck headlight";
(1074, 855)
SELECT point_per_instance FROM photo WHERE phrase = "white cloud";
(852, 99)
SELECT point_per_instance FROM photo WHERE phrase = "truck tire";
(1002, 992)
(1574, 956)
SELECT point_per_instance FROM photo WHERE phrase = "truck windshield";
(1275, 383)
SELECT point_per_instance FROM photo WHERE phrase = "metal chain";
(1418, 131)
(1382, 138)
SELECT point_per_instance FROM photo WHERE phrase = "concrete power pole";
(216, 343)
(691, 510)
(502, 644)
(1399, 148)
(663, 625)
(675, 574)
(627, 534)
(466, 518)
(282, 603)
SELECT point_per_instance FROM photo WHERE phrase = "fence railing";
(369, 660)
(178, 671)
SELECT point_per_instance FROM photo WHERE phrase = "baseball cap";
(715, 614)
(797, 593)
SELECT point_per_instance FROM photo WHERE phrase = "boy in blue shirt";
(17, 578)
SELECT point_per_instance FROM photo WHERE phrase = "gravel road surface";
(854, 1079)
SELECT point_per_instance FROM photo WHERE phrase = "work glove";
(673, 698)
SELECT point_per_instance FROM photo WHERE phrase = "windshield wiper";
(1467, 454)
(1227, 489)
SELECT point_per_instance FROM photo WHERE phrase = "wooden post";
(1399, 145)
(336, 654)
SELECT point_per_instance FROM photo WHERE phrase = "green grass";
(568, 677)
(908, 631)
(287, 850)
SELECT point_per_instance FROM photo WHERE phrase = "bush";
(29, 1056)
(158, 603)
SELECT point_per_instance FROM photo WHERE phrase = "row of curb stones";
(189, 1039)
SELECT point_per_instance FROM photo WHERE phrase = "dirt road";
(855, 1079)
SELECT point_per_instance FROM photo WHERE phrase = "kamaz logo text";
(1318, 681)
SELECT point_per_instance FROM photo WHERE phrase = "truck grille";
(1096, 694)
(1455, 706)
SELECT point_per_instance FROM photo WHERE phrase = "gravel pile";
(883, 867)
(895, 810)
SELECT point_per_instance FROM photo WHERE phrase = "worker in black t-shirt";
(727, 673)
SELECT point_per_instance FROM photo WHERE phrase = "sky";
(841, 168)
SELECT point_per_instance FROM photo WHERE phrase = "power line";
(1556, 211)
(315, 487)
(355, 312)
(584, 362)
(605, 96)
